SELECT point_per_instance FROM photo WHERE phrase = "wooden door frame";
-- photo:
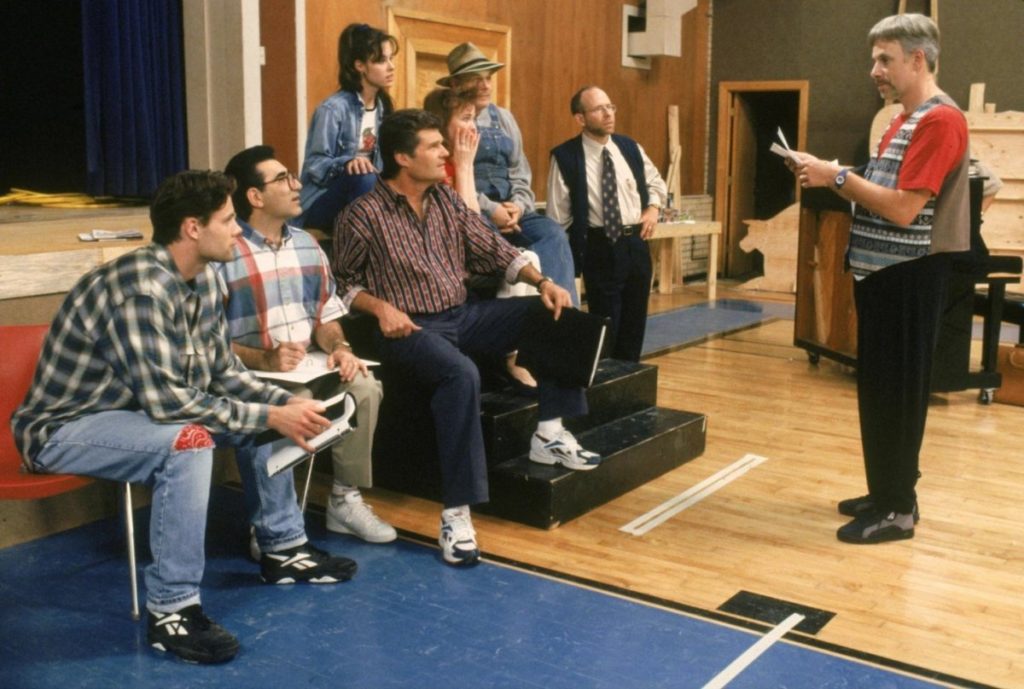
(726, 91)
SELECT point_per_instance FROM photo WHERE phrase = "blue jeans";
(270, 502)
(549, 240)
(130, 446)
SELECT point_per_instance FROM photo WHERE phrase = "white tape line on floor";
(751, 654)
(695, 494)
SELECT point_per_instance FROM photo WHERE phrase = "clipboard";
(566, 351)
(285, 454)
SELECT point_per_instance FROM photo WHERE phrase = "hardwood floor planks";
(951, 599)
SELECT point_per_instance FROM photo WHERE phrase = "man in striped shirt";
(402, 253)
(135, 378)
(282, 302)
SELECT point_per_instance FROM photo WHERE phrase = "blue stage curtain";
(134, 95)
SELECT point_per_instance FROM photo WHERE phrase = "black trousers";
(618, 283)
(898, 314)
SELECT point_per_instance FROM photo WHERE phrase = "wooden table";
(668, 235)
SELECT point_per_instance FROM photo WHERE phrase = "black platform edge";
(620, 388)
(636, 449)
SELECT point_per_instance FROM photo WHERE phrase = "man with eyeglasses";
(136, 382)
(604, 188)
(281, 303)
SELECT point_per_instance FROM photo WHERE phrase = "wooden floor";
(950, 600)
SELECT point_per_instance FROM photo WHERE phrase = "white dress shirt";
(559, 207)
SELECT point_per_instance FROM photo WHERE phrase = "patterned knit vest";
(876, 243)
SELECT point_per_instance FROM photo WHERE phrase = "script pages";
(285, 454)
(312, 366)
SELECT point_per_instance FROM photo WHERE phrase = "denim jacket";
(333, 140)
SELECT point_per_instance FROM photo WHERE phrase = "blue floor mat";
(406, 620)
(671, 330)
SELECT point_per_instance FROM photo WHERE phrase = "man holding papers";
(911, 217)
(135, 378)
(402, 252)
(281, 306)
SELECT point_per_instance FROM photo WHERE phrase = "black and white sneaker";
(305, 563)
(190, 635)
(458, 538)
(877, 527)
(857, 507)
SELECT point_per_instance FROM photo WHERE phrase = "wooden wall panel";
(556, 48)
(277, 36)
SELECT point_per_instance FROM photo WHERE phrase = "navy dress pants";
(438, 358)
(618, 283)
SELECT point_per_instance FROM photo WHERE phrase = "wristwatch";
(543, 279)
(841, 178)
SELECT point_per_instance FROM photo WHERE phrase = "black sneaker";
(877, 527)
(857, 507)
(191, 635)
(306, 563)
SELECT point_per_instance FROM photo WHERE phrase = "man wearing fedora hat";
(502, 172)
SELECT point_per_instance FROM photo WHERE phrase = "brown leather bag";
(1010, 364)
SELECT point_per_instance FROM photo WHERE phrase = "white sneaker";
(458, 539)
(348, 514)
(562, 449)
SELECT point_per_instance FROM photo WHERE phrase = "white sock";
(453, 511)
(550, 428)
(343, 490)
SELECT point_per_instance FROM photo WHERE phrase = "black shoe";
(877, 527)
(191, 635)
(856, 507)
(305, 563)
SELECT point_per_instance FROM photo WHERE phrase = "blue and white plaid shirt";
(132, 334)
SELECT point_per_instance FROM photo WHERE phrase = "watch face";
(841, 179)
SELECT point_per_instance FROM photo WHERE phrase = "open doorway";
(751, 181)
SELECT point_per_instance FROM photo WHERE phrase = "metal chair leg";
(305, 488)
(129, 527)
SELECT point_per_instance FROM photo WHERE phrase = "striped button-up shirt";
(417, 266)
(278, 295)
(133, 335)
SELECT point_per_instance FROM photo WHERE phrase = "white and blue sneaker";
(458, 539)
(562, 449)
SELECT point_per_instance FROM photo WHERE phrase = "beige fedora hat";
(466, 58)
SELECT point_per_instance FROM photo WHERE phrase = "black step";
(620, 388)
(636, 449)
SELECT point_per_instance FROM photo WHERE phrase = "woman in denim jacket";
(342, 158)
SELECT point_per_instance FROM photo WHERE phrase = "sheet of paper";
(784, 152)
(310, 368)
(107, 235)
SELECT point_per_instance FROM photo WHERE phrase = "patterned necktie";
(610, 198)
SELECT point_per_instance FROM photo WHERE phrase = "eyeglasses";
(285, 176)
(608, 108)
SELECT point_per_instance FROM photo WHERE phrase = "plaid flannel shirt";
(133, 335)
